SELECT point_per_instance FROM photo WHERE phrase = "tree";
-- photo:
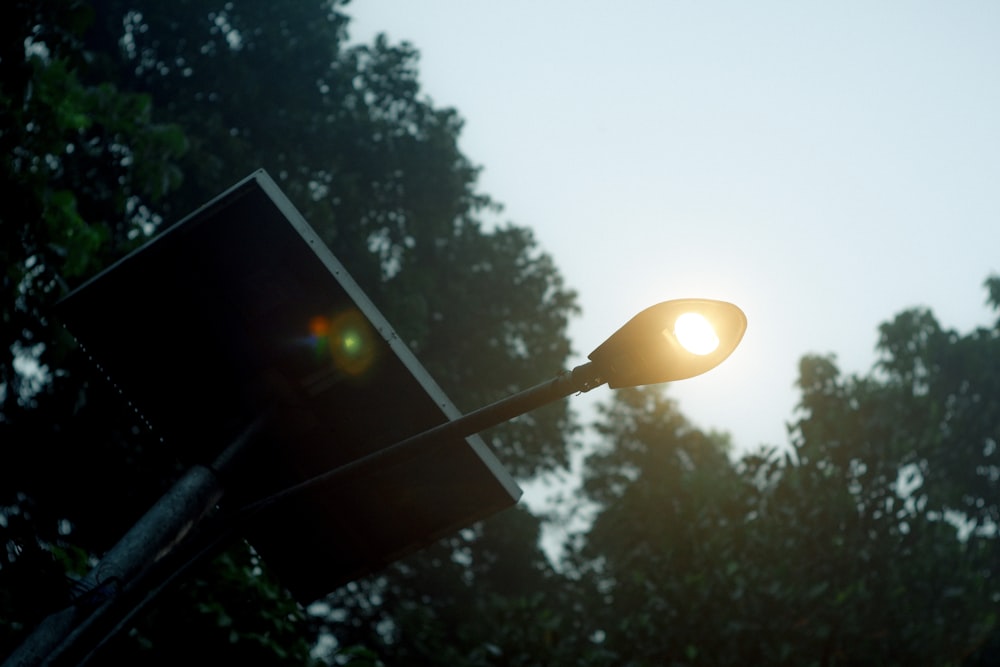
(84, 163)
(871, 540)
(663, 554)
(375, 167)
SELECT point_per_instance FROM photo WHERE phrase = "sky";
(822, 165)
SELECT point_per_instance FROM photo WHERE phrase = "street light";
(673, 340)
(220, 304)
(244, 296)
(664, 343)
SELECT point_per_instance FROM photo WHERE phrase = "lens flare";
(696, 334)
(346, 340)
(351, 343)
(319, 327)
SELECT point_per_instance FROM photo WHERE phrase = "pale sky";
(821, 165)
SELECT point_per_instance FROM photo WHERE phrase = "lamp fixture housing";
(646, 349)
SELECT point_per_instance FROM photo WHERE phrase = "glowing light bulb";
(696, 334)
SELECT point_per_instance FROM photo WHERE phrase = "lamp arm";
(581, 379)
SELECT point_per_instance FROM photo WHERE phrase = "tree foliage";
(870, 539)
(374, 166)
(83, 164)
(122, 115)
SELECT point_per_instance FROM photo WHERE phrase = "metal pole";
(150, 539)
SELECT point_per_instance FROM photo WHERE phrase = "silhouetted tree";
(872, 540)
(123, 115)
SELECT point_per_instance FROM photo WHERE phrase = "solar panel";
(240, 309)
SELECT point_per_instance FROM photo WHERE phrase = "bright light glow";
(696, 334)
(344, 339)
(352, 342)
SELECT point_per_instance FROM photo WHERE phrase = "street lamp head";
(673, 340)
